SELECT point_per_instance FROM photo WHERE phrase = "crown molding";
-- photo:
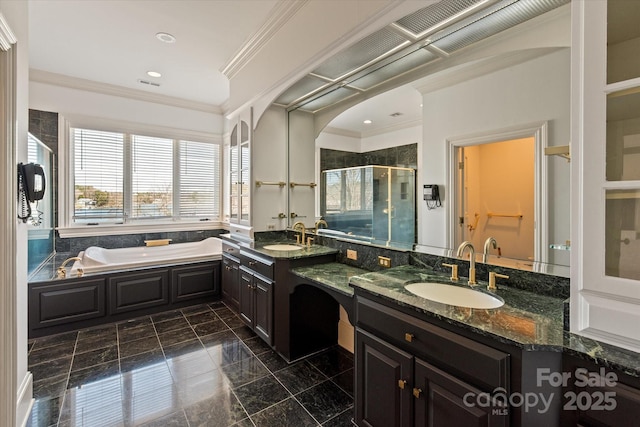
(342, 132)
(47, 77)
(7, 38)
(278, 16)
(374, 132)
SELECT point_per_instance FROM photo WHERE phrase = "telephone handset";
(31, 186)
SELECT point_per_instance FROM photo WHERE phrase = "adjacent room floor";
(199, 366)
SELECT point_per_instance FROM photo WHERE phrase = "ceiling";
(114, 42)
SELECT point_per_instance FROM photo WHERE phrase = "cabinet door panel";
(442, 401)
(246, 297)
(129, 292)
(380, 400)
(231, 282)
(195, 281)
(263, 307)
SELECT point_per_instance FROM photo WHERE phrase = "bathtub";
(97, 260)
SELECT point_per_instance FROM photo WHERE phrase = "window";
(123, 177)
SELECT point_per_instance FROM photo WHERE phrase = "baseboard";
(25, 400)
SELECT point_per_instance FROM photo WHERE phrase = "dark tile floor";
(199, 366)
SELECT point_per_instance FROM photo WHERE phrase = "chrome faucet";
(489, 242)
(472, 259)
(319, 223)
(303, 232)
(62, 271)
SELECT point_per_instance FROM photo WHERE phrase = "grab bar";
(295, 184)
(279, 183)
(491, 215)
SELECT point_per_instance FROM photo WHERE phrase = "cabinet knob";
(417, 392)
(409, 337)
(227, 267)
(401, 384)
(249, 286)
(252, 263)
(229, 249)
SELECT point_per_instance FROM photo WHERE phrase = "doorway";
(498, 184)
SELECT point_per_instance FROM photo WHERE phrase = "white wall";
(536, 90)
(334, 141)
(302, 167)
(269, 163)
(76, 102)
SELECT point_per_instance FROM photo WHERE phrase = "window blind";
(199, 179)
(98, 175)
(151, 177)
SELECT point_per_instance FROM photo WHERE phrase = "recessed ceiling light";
(165, 37)
(153, 74)
(367, 122)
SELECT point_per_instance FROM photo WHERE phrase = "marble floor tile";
(196, 389)
(202, 317)
(143, 345)
(96, 373)
(195, 309)
(223, 409)
(208, 328)
(171, 325)
(133, 323)
(300, 376)
(260, 394)
(51, 340)
(344, 419)
(284, 414)
(184, 368)
(139, 332)
(176, 336)
(52, 368)
(325, 400)
(244, 371)
(190, 365)
(45, 412)
(333, 361)
(175, 419)
(273, 361)
(345, 381)
(94, 357)
(46, 354)
(183, 348)
(167, 315)
(257, 345)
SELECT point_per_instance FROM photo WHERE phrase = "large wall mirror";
(454, 80)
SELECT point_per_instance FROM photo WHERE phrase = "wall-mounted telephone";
(431, 195)
(31, 186)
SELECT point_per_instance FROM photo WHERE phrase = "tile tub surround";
(194, 366)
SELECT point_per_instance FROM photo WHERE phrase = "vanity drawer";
(262, 266)
(230, 249)
(479, 364)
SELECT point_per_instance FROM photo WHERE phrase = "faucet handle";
(454, 271)
(492, 280)
(309, 241)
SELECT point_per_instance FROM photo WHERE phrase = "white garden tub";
(98, 260)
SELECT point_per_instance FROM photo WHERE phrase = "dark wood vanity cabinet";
(595, 396)
(231, 282)
(410, 372)
(256, 294)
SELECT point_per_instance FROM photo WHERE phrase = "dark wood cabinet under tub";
(63, 305)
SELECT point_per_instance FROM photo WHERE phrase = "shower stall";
(370, 203)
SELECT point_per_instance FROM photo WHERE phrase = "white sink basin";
(454, 295)
(282, 247)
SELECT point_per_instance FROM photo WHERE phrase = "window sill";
(137, 228)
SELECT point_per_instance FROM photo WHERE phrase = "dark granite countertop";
(530, 321)
(527, 320)
(303, 252)
(333, 275)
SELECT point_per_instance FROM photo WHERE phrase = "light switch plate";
(351, 254)
(384, 261)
